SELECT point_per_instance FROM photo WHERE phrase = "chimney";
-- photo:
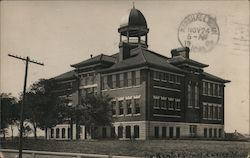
(183, 51)
(125, 50)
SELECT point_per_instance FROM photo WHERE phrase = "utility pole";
(27, 61)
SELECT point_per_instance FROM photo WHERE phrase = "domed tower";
(133, 32)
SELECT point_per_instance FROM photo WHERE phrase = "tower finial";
(133, 4)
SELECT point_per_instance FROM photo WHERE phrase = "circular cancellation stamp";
(199, 32)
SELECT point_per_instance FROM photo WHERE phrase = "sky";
(61, 33)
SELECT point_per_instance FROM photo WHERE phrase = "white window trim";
(165, 88)
(160, 115)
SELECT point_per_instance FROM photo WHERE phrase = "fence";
(10, 153)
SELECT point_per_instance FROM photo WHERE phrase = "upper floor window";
(219, 112)
(177, 104)
(125, 76)
(129, 106)
(156, 75)
(189, 95)
(133, 78)
(113, 103)
(171, 103)
(137, 106)
(120, 103)
(178, 79)
(210, 111)
(196, 96)
(156, 101)
(205, 111)
(163, 102)
(212, 89)
(117, 78)
(171, 78)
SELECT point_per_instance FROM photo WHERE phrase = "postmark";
(199, 32)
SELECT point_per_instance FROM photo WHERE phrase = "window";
(203, 88)
(120, 132)
(133, 78)
(210, 111)
(129, 79)
(196, 96)
(114, 81)
(216, 93)
(220, 91)
(117, 78)
(121, 80)
(167, 76)
(57, 132)
(63, 133)
(215, 132)
(163, 76)
(129, 106)
(52, 133)
(164, 132)
(69, 132)
(216, 116)
(219, 112)
(171, 132)
(137, 75)
(171, 78)
(171, 103)
(112, 132)
(220, 133)
(205, 132)
(125, 75)
(137, 106)
(157, 132)
(136, 131)
(104, 132)
(192, 130)
(205, 111)
(209, 89)
(156, 102)
(113, 103)
(110, 83)
(163, 103)
(178, 79)
(189, 95)
(214, 111)
(102, 83)
(128, 132)
(210, 132)
(177, 104)
(120, 107)
(156, 75)
(178, 132)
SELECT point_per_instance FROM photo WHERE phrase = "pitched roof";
(96, 59)
(180, 59)
(143, 56)
(215, 78)
(66, 75)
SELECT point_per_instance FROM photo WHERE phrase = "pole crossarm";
(27, 61)
(31, 61)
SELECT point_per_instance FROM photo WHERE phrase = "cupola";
(133, 31)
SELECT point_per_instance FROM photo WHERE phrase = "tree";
(9, 112)
(42, 105)
(94, 111)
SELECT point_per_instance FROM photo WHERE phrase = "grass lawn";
(137, 148)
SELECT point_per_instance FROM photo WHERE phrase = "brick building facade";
(154, 96)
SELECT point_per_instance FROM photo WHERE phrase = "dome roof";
(134, 19)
